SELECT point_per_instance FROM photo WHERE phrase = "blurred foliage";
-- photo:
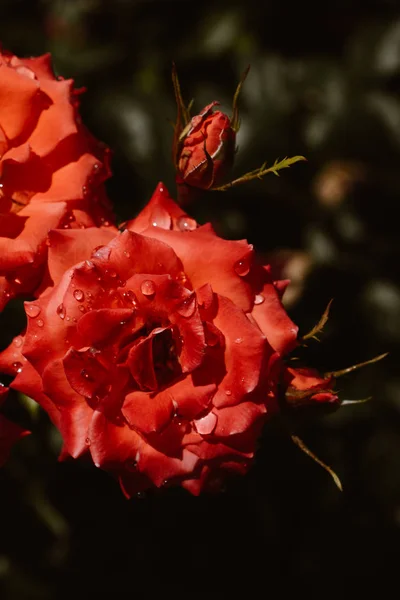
(324, 83)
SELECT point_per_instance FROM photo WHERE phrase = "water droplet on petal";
(85, 375)
(60, 310)
(181, 278)
(17, 366)
(88, 441)
(79, 295)
(148, 287)
(238, 340)
(85, 190)
(101, 252)
(228, 392)
(187, 307)
(186, 223)
(160, 218)
(32, 310)
(110, 273)
(40, 322)
(130, 297)
(82, 308)
(242, 266)
(18, 341)
(259, 299)
(127, 254)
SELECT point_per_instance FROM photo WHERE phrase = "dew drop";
(238, 340)
(101, 252)
(60, 310)
(187, 307)
(228, 392)
(85, 374)
(18, 341)
(79, 295)
(17, 366)
(181, 278)
(160, 218)
(148, 287)
(259, 299)
(85, 190)
(32, 310)
(40, 322)
(242, 267)
(110, 273)
(88, 441)
(82, 308)
(130, 297)
(186, 223)
(127, 254)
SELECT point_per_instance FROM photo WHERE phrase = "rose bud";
(10, 433)
(157, 352)
(208, 149)
(305, 388)
(51, 169)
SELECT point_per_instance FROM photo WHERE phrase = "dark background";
(324, 82)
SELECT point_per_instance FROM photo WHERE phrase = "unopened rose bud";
(208, 148)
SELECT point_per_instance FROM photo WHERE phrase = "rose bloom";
(9, 432)
(51, 169)
(158, 351)
(208, 149)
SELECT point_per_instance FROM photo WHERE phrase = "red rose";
(9, 432)
(51, 169)
(207, 153)
(158, 352)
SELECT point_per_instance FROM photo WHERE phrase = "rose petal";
(246, 351)
(272, 318)
(147, 412)
(132, 253)
(214, 264)
(67, 247)
(75, 412)
(160, 211)
(236, 419)
(17, 97)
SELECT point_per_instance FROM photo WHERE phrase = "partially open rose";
(51, 169)
(9, 432)
(158, 350)
(208, 149)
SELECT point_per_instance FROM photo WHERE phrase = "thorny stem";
(235, 121)
(300, 444)
(260, 173)
(319, 326)
(341, 372)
